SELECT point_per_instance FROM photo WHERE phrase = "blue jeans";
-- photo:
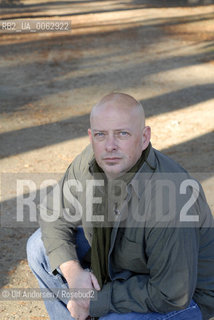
(56, 308)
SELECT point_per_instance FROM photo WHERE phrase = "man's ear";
(90, 134)
(146, 137)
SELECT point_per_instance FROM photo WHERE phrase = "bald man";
(127, 229)
(118, 142)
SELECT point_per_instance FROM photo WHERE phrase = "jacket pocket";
(129, 255)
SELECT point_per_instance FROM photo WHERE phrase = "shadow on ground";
(13, 239)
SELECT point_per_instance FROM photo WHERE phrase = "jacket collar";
(144, 174)
(137, 183)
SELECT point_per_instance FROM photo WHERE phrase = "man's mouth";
(111, 158)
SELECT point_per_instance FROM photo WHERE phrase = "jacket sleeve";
(172, 263)
(60, 214)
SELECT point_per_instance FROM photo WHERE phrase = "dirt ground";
(161, 52)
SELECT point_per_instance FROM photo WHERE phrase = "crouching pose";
(126, 226)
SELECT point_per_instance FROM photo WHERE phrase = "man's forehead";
(114, 119)
(113, 124)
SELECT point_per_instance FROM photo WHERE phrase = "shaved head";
(119, 101)
(118, 133)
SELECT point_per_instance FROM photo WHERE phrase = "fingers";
(69, 306)
(94, 281)
(76, 311)
(79, 309)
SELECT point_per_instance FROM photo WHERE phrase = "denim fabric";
(56, 308)
(191, 313)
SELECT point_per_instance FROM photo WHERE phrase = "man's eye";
(124, 133)
(99, 134)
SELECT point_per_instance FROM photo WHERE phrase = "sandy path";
(164, 56)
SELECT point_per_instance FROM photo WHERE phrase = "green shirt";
(156, 262)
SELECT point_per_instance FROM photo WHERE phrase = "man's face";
(118, 139)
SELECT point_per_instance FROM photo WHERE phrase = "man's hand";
(78, 279)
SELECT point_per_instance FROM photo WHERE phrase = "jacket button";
(116, 212)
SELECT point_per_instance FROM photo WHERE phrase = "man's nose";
(111, 143)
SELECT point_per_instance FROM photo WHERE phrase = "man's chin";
(112, 174)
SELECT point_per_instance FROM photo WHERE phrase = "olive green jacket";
(162, 246)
